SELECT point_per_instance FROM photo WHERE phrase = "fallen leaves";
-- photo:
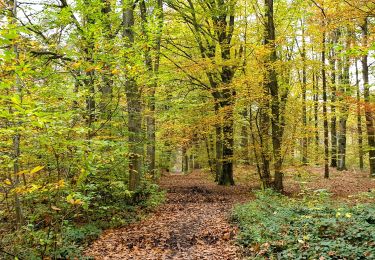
(193, 224)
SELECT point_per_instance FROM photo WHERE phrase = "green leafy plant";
(281, 228)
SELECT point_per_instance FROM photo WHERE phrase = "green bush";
(274, 226)
(61, 219)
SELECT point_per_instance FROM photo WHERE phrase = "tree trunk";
(316, 116)
(185, 161)
(207, 141)
(344, 88)
(359, 118)
(253, 143)
(107, 85)
(366, 93)
(133, 95)
(325, 117)
(245, 138)
(218, 150)
(153, 68)
(226, 176)
(17, 136)
(332, 61)
(304, 110)
(263, 130)
(272, 86)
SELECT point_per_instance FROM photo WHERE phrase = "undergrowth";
(277, 227)
(60, 222)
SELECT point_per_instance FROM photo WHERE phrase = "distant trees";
(263, 80)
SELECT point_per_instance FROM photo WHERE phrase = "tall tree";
(152, 63)
(17, 90)
(212, 24)
(332, 61)
(324, 88)
(366, 93)
(359, 117)
(344, 108)
(134, 105)
(271, 85)
(304, 108)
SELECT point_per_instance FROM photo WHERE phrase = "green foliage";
(63, 219)
(277, 227)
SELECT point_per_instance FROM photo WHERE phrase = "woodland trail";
(192, 224)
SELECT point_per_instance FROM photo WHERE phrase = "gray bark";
(134, 106)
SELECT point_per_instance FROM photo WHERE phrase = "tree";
(368, 111)
(134, 106)
(272, 87)
(324, 87)
(214, 35)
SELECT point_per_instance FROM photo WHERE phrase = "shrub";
(277, 227)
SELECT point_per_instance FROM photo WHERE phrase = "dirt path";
(192, 224)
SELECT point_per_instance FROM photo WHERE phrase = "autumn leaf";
(55, 208)
(36, 169)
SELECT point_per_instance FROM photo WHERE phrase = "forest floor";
(193, 223)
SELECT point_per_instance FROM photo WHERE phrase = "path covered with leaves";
(192, 224)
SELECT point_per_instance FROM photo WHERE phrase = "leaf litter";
(192, 224)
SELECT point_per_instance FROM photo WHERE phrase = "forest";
(187, 129)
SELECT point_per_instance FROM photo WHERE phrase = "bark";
(344, 86)
(226, 176)
(332, 61)
(271, 85)
(185, 161)
(304, 109)
(107, 85)
(369, 115)
(359, 118)
(253, 142)
(134, 106)
(207, 141)
(218, 148)
(152, 65)
(263, 130)
(245, 139)
(316, 116)
(325, 117)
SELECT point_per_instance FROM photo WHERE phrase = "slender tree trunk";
(218, 145)
(245, 138)
(253, 142)
(107, 85)
(332, 61)
(304, 110)
(133, 95)
(185, 161)
(325, 117)
(152, 64)
(359, 118)
(344, 88)
(207, 142)
(366, 93)
(272, 85)
(316, 116)
(17, 136)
